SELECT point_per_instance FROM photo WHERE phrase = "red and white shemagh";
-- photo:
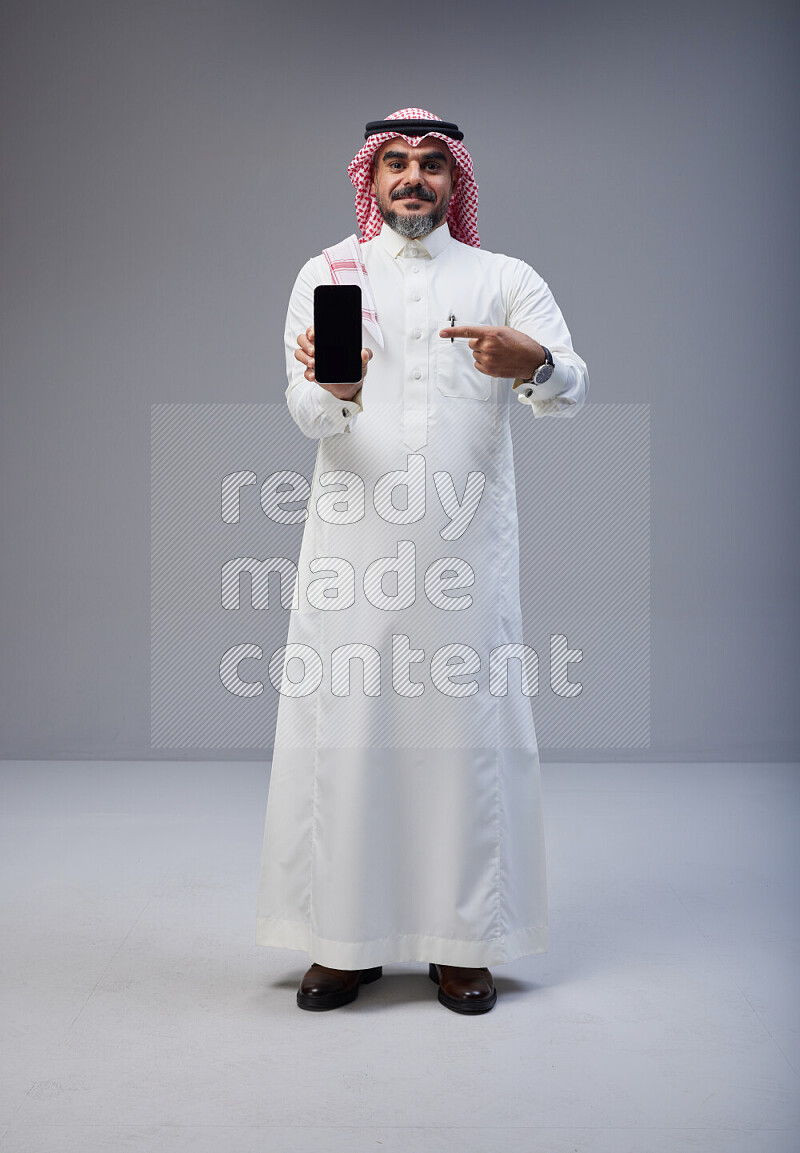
(462, 212)
(344, 259)
(347, 267)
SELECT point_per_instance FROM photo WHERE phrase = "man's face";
(413, 186)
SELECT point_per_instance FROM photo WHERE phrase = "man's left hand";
(500, 351)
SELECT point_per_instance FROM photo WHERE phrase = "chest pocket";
(456, 374)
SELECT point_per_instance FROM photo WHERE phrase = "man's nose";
(414, 173)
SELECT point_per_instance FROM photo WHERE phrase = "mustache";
(417, 193)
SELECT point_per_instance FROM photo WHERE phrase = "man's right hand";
(305, 354)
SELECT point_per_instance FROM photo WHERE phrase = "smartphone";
(337, 333)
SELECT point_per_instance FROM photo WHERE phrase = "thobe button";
(416, 296)
(529, 392)
(345, 412)
(413, 252)
(417, 374)
(416, 333)
(415, 268)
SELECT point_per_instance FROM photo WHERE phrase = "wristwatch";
(545, 372)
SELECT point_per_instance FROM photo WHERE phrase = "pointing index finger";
(466, 330)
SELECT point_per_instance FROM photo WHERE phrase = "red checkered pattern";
(347, 267)
(462, 212)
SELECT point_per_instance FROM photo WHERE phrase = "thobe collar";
(431, 245)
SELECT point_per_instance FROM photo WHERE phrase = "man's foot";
(323, 988)
(464, 990)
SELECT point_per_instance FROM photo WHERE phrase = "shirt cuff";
(560, 380)
(343, 413)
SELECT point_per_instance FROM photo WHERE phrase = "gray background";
(166, 169)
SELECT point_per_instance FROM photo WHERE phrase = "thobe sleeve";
(532, 310)
(317, 412)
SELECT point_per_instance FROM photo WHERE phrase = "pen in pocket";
(452, 319)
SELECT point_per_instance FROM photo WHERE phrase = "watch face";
(543, 374)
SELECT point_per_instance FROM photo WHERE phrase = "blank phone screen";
(337, 333)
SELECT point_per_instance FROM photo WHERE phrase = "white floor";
(138, 1014)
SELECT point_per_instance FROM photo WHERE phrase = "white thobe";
(404, 817)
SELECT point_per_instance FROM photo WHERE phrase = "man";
(404, 815)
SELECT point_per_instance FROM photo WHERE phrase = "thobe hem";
(400, 948)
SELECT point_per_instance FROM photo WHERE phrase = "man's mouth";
(415, 198)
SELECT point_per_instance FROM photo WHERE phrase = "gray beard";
(414, 226)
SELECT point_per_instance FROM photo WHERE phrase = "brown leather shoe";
(464, 990)
(323, 988)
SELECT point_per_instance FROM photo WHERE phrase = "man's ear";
(455, 174)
